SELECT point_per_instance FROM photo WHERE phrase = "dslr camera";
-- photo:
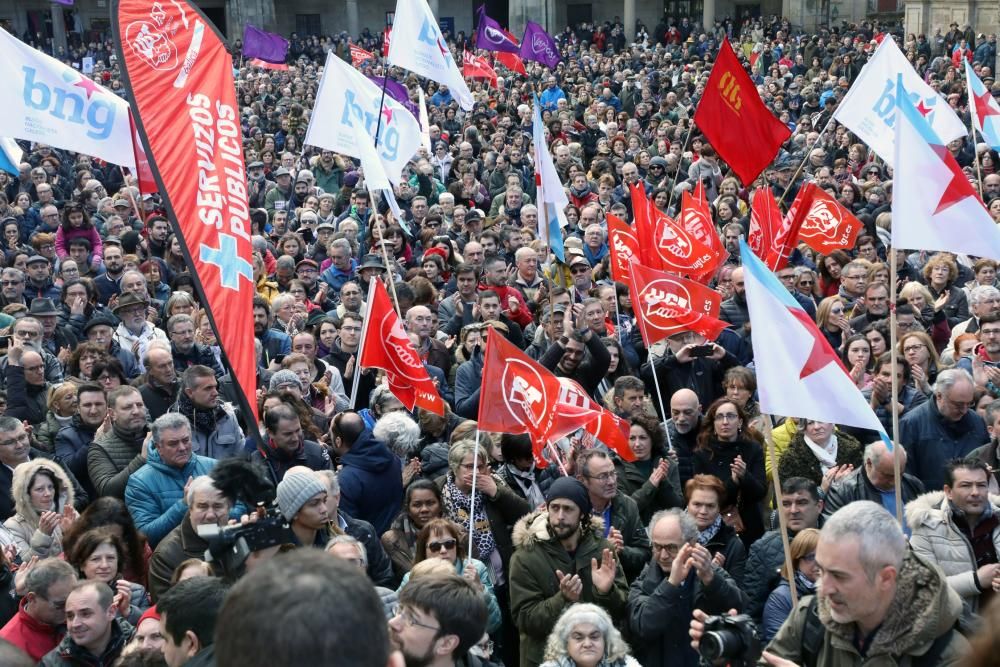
(730, 640)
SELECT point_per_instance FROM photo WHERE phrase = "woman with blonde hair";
(918, 350)
(779, 603)
(831, 318)
(584, 636)
(940, 273)
(43, 505)
(62, 407)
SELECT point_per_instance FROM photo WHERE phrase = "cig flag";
(346, 97)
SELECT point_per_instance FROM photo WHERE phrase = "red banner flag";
(696, 219)
(385, 41)
(785, 237)
(735, 121)
(144, 174)
(667, 246)
(359, 55)
(826, 226)
(179, 76)
(765, 221)
(606, 426)
(263, 64)
(475, 67)
(666, 304)
(385, 345)
(623, 246)
(512, 61)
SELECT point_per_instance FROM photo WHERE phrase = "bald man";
(420, 321)
(874, 481)
(683, 426)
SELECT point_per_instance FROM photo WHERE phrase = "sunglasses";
(447, 545)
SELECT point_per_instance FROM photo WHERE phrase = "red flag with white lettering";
(359, 55)
(787, 235)
(696, 219)
(765, 220)
(827, 225)
(623, 246)
(179, 76)
(675, 249)
(666, 304)
(475, 67)
(385, 345)
(604, 425)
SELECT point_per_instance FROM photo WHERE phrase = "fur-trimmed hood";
(23, 475)
(533, 528)
(924, 608)
(931, 509)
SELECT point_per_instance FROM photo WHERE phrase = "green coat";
(637, 551)
(535, 600)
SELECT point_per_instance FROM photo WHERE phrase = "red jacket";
(30, 635)
(523, 315)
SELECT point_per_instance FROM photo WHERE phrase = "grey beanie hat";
(283, 377)
(295, 490)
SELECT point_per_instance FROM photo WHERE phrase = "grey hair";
(689, 529)
(134, 272)
(9, 424)
(880, 539)
(983, 293)
(180, 318)
(169, 421)
(161, 345)
(281, 301)
(201, 484)
(399, 433)
(347, 539)
(992, 410)
(343, 244)
(286, 262)
(947, 379)
(41, 577)
(615, 648)
(460, 450)
(329, 478)
(380, 396)
(874, 452)
(802, 270)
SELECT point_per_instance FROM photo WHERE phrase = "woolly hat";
(295, 490)
(283, 377)
(569, 488)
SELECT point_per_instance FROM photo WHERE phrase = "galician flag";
(984, 109)
(11, 155)
(417, 45)
(803, 376)
(934, 206)
(552, 199)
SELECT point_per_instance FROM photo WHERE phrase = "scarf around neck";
(457, 506)
(705, 536)
(827, 455)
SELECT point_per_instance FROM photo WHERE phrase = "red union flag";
(180, 80)
(385, 41)
(385, 345)
(574, 403)
(696, 219)
(624, 248)
(765, 220)
(826, 225)
(359, 55)
(666, 304)
(664, 244)
(475, 67)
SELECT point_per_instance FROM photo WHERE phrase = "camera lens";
(721, 644)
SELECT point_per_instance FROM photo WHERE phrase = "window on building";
(308, 24)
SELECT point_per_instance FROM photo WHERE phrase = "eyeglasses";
(8, 283)
(22, 438)
(34, 369)
(412, 621)
(604, 476)
(726, 417)
(808, 282)
(669, 549)
(447, 545)
(580, 271)
(990, 332)
(914, 348)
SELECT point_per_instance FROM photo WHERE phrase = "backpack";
(814, 631)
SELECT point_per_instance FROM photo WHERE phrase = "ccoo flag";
(984, 109)
(552, 199)
(734, 119)
(417, 45)
(869, 108)
(179, 77)
(346, 97)
(804, 361)
(934, 207)
(54, 104)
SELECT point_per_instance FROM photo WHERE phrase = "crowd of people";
(441, 545)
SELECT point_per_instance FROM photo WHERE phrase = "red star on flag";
(88, 86)
(958, 187)
(983, 107)
(821, 355)
(923, 109)
(387, 112)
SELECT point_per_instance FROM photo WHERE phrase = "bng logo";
(75, 103)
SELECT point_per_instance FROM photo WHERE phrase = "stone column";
(708, 16)
(353, 24)
(628, 17)
(58, 29)
(433, 4)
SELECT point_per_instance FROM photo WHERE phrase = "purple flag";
(65, 3)
(491, 37)
(537, 45)
(267, 46)
(398, 92)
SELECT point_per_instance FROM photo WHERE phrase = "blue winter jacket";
(155, 493)
(371, 482)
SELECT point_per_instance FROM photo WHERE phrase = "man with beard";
(683, 428)
(734, 310)
(560, 559)
(114, 267)
(258, 185)
(158, 231)
(878, 601)
(440, 618)
(275, 343)
(216, 432)
(186, 352)
(568, 356)
(122, 449)
(135, 332)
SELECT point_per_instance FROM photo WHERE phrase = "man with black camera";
(680, 578)
(877, 602)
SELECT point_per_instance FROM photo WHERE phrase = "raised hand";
(603, 575)
(571, 586)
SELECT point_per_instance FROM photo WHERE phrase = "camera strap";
(814, 631)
